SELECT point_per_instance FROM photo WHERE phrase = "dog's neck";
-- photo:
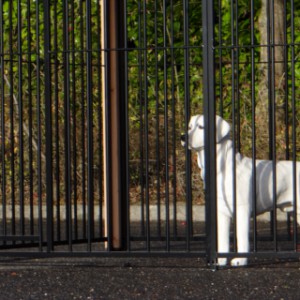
(223, 139)
(200, 153)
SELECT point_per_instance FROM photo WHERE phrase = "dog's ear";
(222, 128)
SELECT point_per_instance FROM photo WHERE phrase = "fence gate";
(94, 97)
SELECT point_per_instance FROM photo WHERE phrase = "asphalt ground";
(150, 277)
(145, 278)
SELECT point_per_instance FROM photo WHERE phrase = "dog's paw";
(222, 262)
(238, 262)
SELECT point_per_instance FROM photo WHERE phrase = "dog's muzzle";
(183, 139)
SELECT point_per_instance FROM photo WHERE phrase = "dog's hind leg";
(223, 236)
(242, 231)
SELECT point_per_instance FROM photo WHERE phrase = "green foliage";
(164, 51)
(23, 85)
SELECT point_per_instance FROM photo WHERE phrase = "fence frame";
(115, 128)
(210, 129)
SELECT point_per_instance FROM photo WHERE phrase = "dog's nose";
(183, 137)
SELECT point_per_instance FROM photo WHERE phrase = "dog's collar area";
(200, 149)
(225, 138)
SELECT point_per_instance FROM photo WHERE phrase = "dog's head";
(195, 134)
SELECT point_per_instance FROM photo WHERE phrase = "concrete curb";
(197, 210)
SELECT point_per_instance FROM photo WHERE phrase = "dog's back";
(285, 185)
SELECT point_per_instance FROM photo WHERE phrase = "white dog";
(244, 165)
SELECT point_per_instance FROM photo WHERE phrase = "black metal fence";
(94, 98)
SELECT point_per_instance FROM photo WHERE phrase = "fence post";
(209, 114)
(113, 87)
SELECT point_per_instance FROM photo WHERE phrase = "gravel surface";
(145, 278)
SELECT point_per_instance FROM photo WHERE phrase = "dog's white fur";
(244, 166)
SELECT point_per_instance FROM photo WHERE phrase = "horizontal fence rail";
(95, 99)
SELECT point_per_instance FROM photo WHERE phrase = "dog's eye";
(200, 127)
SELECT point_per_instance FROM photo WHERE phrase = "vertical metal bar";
(210, 134)
(189, 216)
(294, 124)
(83, 114)
(233, 104)
(286, 103)
(99, 120)
(141, 135)
(57, 172)
(269, 75)
(269, 98)
(286, 83)
(48, 126)
(120, 215)
(273, 118)
(12, 122)
(39, 132)
(74, 118)
(221, 110)
(116, 95)
(157, 104)
(106, 122)
(166, 125)
(90, 113)
(21, 120)
(2, 124)
(146, 133)
(67, 125)
(174, 169)
(237, 78)
(30, 117)
(126, 112)
(253, 102)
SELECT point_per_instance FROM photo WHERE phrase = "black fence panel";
(51, 132)
(252, 84)
(95, 103)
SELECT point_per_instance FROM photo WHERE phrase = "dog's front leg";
(242, 231)
(223, 236)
